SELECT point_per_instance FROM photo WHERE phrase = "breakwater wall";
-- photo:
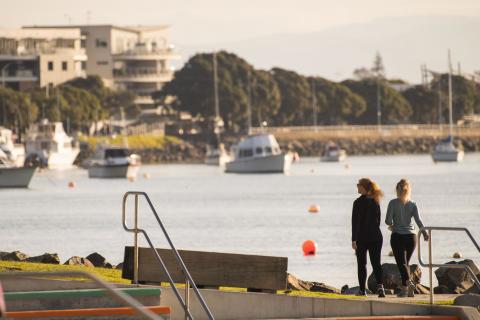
(193, 151)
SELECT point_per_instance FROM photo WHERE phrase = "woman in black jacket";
(366, 234)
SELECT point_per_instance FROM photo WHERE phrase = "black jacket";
(366, 220)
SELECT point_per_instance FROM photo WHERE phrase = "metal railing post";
(430, 267)
(135, 252)
(187, 298)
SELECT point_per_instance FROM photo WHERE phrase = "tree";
(378, 70)
(424, 102)
(296, 97)
(336, 103)
(18, 110)
(395, 109)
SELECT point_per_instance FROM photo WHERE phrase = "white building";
(133, 58)
(40, 57)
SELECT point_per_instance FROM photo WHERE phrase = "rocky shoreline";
(193, 151)
(450, 280)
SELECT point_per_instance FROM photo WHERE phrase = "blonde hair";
(372, 188)
(403, 190)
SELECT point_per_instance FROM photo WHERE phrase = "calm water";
(205, 209)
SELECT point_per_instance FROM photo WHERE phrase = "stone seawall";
(194, 151)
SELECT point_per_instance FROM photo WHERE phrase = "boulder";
(293, 283)
(15, 256)
(2, 254)
(458, 280)
(442, 290)
(119, 266)
(468, 300)
(352, 290)
(51, 258)
(392, 278)
(99, 261)
(79, 261)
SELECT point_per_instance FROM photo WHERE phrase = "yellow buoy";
(457, 255)
(314, 208)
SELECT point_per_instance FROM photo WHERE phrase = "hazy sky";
(206, 21)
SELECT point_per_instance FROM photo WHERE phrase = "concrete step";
(76, 299)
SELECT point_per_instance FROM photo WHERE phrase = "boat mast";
(216, 129)
(249, 103)
(450, 99)
(314, 105)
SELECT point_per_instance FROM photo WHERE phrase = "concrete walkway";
(418, 298)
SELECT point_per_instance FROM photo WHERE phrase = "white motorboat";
(217, 156)
(333, 153)
(113, 162)
(259, 153)
(49, 142)
(445, 151)
(12, 176)
(15, 152)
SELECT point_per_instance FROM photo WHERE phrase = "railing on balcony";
(141, 72)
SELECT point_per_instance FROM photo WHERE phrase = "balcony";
(19, 75)
(142, 75)
(147, 54)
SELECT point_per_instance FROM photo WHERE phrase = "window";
(268, 150)
(246, 153)
(102, 63)
(64, 66)
(258, 150)
(50, 65)
(100, 43)
(84, 65)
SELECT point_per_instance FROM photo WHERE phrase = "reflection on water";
(205, 209)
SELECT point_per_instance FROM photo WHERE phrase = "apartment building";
(133, 58)
(40, 57)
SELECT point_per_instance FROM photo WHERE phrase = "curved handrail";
(122, 297)
(159, 259)
(430, 265)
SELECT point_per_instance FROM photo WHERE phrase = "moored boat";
(333, 153)
(113, 162)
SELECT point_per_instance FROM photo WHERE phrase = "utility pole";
(450, 98)
(249, 103)
(314, 104)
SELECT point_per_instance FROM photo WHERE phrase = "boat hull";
(452, 156)
(113, 171)
(217, 160)
(279, 163)
(337, 157)
(16, 177)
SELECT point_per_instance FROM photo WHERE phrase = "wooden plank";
(211, 268)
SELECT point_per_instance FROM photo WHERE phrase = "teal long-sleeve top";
(399, 216)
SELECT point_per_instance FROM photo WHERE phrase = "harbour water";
(204, 209)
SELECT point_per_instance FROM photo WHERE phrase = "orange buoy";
(72, 184)
(314, 208)
(309, 247)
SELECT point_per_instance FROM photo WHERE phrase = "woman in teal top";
(400, 212)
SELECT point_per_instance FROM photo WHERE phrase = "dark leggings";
(374, 251)
(403, 246)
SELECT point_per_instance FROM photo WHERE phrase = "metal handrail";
(188, 278)
(430, 265)
(122, 297)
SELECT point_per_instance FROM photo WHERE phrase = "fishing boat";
(113, 162)
(48, 142)
(15, 152)
(445, 150)
(216, 154)
(259, 153)
(333, 153)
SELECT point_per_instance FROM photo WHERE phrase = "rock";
(15, 256)
(392, 278)
(2, 254)
(99, 261)
(421, 289)
(79, 261)
(457, 280)
(119, 266)
(468, 300)
(442, 290)
(293, 283)
(51, 258)
(352, 290)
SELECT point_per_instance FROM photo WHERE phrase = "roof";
(137, 29)
(41, 33)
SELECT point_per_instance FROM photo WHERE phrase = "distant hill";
(403, 42)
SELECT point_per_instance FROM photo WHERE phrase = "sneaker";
(381, 291)
(411, 290)
(403, 292)
(361, 293)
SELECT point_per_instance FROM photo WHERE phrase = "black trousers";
(374, 251)
(403, 246)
